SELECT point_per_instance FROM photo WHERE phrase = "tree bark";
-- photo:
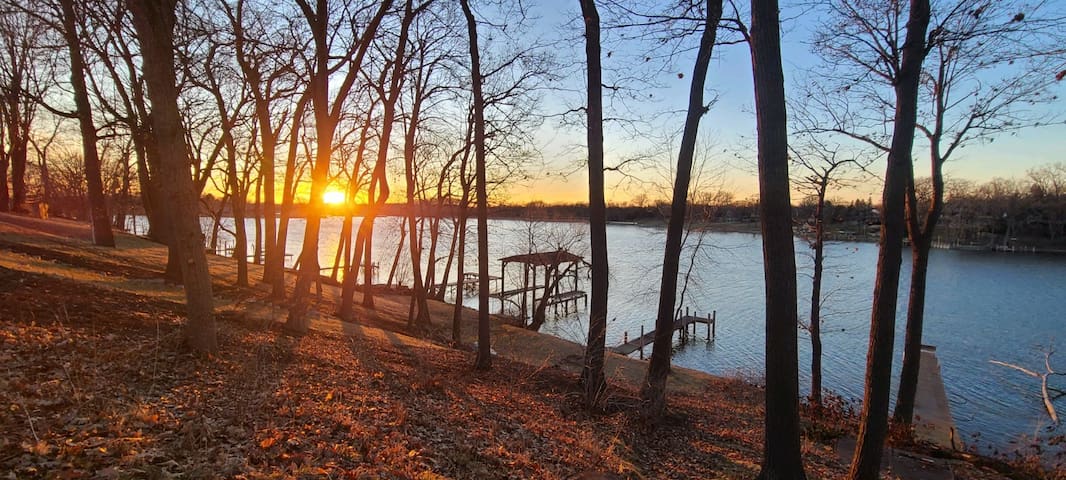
(912, 343)
(99, 219)
(920, 233)
(781, 440)
(484, 352)
(418, 293)
(653, 391)
(5, 194)
(18, 155)
(815, 326)
(154, 23)
(592, 374)
(873, 426)
(325, 127)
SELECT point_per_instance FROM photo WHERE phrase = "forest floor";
(97, 384)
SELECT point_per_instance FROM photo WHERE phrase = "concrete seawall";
(933, 422)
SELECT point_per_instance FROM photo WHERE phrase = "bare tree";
(963, 104)
(154, 23)
(100, 221)
(653, 390)
(823, 165)
(21, 84)
(781, 451)
(849, 36)
(327, 113)
(484, 352)
(267, 69)
(592, 373)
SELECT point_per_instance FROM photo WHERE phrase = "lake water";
(981, 307)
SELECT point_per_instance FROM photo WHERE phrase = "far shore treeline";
(1023, 213)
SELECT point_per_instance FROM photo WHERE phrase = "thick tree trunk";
(873, 426)
(781, 439)
(484, 352)
(5, 194)
(653, 391)
(18, 155)
(99, 219)
(592, 374)
(154, 23)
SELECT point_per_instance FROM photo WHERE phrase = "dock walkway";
(681, 325)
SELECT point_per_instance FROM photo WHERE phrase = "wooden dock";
(470, 282)
(681, 325)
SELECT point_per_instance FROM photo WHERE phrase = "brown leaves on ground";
(97, 384)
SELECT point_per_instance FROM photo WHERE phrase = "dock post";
(642, 341)
(625, 337)
(714, 323)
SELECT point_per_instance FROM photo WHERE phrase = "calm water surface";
(981, 307)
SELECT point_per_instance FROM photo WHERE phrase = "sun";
(333, 197)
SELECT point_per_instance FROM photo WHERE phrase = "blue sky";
(727, 130)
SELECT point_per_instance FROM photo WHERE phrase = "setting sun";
(333, 197)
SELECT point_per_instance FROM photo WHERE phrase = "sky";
(727, 131)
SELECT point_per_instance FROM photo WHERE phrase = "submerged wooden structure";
(550, 278)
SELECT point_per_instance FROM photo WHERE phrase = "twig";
(29, 419)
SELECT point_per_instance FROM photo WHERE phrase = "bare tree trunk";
(418, 293)
(460, 274)
(815, 326)
(912, 343)
(100, 220)
(460, 258)
(399, 252)
(18, 154)
(592, 374)
(920, 233)
(5, 194)
(325, 128)
(484, 352)
(257, 214)
(154, 23)
(240, 230)
(873, 426)
(351, 276)
(430, 278)
(653, 391)
(449, 262)
(781, 439)
(124, 205)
